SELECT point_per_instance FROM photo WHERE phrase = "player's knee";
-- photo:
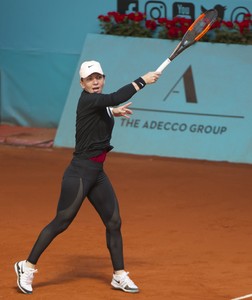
(61, 224)
(114, 224)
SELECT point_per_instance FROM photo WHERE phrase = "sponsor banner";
(200, 108)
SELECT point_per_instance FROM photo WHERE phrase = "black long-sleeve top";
(95, 122)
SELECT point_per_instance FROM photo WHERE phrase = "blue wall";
(41, 43)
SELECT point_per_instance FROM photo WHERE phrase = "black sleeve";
(113, 99)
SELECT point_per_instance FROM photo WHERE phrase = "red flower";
(162, 21)
(183, 29)
(151, 24)
(176, 20)
(113, 13)
(104, 18)
(228, 24)
(119, 18)
(182, 23)
(136, 17)
(247, 16)
(169, 24)
(185, 22)
(243, 26)
(173, 32)
(216, 24)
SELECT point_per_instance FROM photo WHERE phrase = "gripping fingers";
(155, 77)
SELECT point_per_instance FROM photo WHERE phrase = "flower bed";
(136, 24)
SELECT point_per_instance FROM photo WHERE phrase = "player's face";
(93, 83)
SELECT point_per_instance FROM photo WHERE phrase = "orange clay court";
(187, 227)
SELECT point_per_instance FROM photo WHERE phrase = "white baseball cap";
(89, 67)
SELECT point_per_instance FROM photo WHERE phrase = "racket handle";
(163, 65)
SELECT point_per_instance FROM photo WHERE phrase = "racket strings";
(200, 26)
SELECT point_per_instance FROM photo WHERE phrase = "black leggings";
(85, 178)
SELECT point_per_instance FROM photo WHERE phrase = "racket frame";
(182, 46)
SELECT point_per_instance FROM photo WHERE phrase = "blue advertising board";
(200, 108)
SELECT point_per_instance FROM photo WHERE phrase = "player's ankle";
(119, 272)
(29, 265)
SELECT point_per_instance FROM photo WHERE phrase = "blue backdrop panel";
(34, 85)
(200, 108)
(40, 44)
(41, 41)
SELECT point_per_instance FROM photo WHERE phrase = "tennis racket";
(199, 27)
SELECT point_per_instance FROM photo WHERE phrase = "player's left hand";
(122, 111)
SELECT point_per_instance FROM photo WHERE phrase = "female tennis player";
(85, 176)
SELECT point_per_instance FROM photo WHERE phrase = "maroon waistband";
(99, 158)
